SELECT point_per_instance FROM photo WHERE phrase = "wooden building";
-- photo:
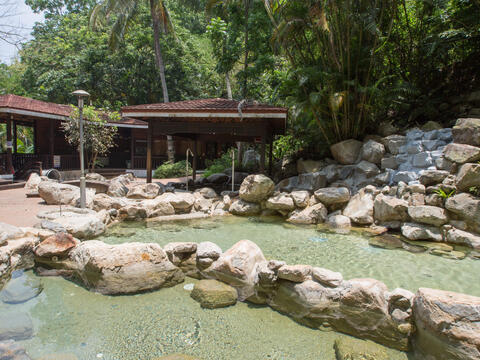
(207, 121)
(207, 127)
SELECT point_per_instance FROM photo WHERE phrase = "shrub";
(172, 170)
(219, 165)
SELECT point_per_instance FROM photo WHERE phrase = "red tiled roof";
(129, 121)
(27, 104)
(205, 105)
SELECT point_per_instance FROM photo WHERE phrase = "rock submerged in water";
(10, 350)
(177, 357)
(212, 294)
(21, 289)
(356, 349)
(15, 326)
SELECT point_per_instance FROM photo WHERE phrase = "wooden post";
(194, 160)
(10, 168)
(132, 150)
(262, 155)
(14, 136)
(51, 148)
(270, 158)
(149, 151)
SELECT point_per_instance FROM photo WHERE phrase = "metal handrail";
(186, 165)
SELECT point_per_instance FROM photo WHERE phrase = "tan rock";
(346, 152)
(295, 273)
(212, 294)
(256, 188)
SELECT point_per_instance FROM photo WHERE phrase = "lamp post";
(81, 94)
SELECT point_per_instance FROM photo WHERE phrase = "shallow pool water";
(68, 319)
(349, 254)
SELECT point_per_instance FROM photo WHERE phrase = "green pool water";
(350, 254)
(69, 319)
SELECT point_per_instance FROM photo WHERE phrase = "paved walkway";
(16, 209)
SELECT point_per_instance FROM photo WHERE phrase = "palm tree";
(125, 11)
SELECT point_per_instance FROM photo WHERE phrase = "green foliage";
(170, 170)
(98, 138)
(287, 145)
(220, 164)
(443, 194)
(474, 190)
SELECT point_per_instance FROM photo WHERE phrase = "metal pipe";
(83, 195)
(233, 170)
(186, 165)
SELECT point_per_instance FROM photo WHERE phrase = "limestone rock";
(182, 202)
(15, 326)
(310, 215)
(327, 277)
(360, 207)
(207, 253)
(183, 255)
(448, 325)
(243, 208)
(332, 195)
(465, 238)
(461, 154)
(308, 166)
(238, 267)
(256, 188)
(218, 178)
(125, 268)
(33, 181)
(389, 208)
(58, 194)
(160, 206)
(300, 198)
(203, 205)
(466, 207)
(356, 349)
(133, 212)
(282, 201)
(212, 294)
(117, 188)
(347, 151)
(430, 215)
(340, 223)
(21, 289)
(373, 152)
(104, 201)
(393, 143)
(144, 191)
(95, 176)
(432, 177)
(421, 232)
(207, 193)
(467, 131)
(58, 245)
(468, 176)
(303, 182)
(295, 273)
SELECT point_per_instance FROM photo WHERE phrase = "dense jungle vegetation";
(341, 66)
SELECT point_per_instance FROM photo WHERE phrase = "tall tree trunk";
(229, 86)
(161, 69)
(245, 65)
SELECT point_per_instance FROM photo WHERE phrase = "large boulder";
(182, 202)
(313, 214)
(432, 177)
(309, 166)
(212, 294)
(133, 211)
(243, 208)
(183, 255)
(58, 245)
(430, 215)
(448, 325)
(360, 207)
(256, 188)
(238, 267)
(393, 143)
(467, 131)
(117, 187)
(33, 181)
(373, 152)
(347, 151)
(207, 193)
(461, 153)
(125, 268)
(333, 195)
(460, 237)
(144, 191)
(303, 182)
(358, 307)
(300, 198)
(207, 253)
(468, 176)
(281, 202)
(390, 208)
(414, 231)
(106, 202)
(339, 223)
(466, 207)
(58, 194)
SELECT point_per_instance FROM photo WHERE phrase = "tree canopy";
(340, 66)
